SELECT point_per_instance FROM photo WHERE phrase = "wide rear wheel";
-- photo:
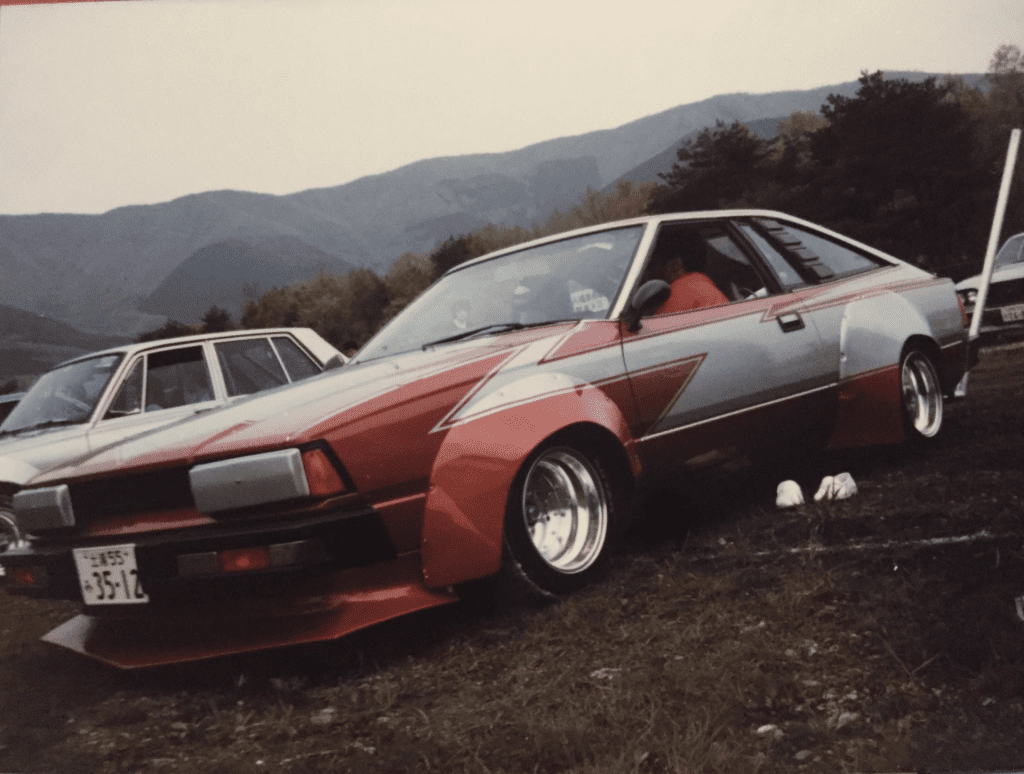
(921, 393)
(560, 511)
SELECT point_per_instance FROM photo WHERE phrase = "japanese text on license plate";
(109, 575)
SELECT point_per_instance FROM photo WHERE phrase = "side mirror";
(335, 362)
(647, 298)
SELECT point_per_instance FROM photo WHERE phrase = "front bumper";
(348, 576)
(993, 327)
(330, 541)
(336, 604)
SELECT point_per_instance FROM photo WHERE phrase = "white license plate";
(1013, 313)
(109, 575)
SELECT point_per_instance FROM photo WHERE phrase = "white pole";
(993, 237)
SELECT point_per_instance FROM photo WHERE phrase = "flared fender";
(871, 339)
(873, 332)
(472, 473)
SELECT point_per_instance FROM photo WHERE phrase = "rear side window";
(249, 366)
(298, 364)
(841, 259)
(816, 257)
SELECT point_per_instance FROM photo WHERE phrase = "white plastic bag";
(788, 494)
(837, 487)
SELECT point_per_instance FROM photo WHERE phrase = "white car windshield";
(64, 396)
(571, 279)
(1011, 252)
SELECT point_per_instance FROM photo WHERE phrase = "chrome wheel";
(922, 395)
(565, 510)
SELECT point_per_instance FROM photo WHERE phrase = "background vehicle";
(98, 399)
(8, 402)
(500, 425)
(1004, 305)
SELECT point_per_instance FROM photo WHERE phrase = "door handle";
(790, 322)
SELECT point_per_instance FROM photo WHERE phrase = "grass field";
(875, 634)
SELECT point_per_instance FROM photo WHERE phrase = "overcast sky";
(104, 104)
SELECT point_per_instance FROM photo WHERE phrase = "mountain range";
(127, 269)
(32, 344)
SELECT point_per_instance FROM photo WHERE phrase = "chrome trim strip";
(243, 482)
(717, 417)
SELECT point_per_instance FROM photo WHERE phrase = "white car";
(8, 403)
(1004, 305)
(99, 399)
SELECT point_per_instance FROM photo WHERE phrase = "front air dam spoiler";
(338, 604)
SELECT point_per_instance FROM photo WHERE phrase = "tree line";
(912, 168)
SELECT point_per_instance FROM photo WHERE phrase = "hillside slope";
(94, 271)
(33, 344)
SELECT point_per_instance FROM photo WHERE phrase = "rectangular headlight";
(46, 508)
(243, 482)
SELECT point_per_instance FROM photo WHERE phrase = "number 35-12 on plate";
(109, 575)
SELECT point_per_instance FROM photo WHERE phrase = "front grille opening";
(158, 490)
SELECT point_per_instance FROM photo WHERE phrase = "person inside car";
(683, 269)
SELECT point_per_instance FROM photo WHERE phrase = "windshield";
(572, 279)
(1011, 252)
(64, 396)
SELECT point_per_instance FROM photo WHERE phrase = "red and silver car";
(500, 425)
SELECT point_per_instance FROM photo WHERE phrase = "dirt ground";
(871, 634)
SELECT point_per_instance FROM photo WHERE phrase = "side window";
(129, 396)
(784, 270)
(177, 377)
(1011, 252)
(841, 259)
(249, 366)
(730, 269)
(819, 257)
(298, 363)
(704, 266)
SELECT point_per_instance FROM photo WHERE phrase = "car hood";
(1002, 274)
(23, 455)
(302, 412)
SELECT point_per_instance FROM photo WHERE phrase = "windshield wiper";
(41, 425)
(493, 327)
(498, 328)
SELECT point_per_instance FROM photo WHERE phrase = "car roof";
(131, 349)
(654, 220)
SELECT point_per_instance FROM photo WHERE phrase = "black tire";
(558, 520)
(920, 395)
